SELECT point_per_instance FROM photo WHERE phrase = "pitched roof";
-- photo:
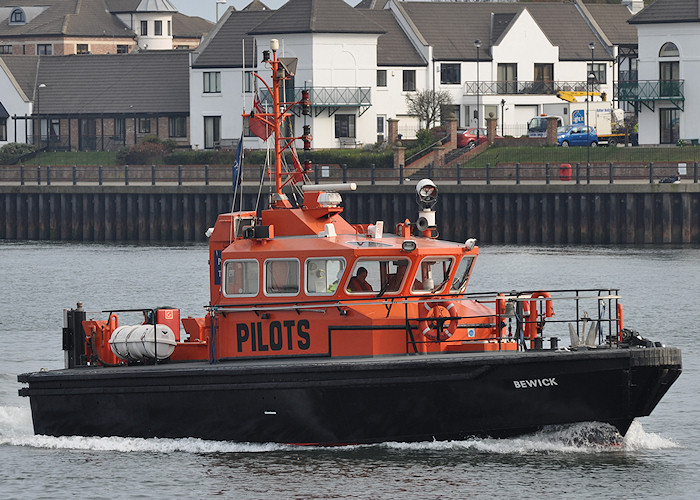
(223, 48)
(140, 6)
(67, 17)
(316, 16)
(256, 5)
(94, 84)
(452, 27)
(612, 19)
(668, 11)
(190, 26)
(393, 47)
(23, 69)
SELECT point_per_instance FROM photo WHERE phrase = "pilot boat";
(319, 331)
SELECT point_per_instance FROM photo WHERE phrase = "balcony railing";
(648, 92)
(330, 98)
(514, 87)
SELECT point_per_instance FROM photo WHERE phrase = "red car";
(467, 138)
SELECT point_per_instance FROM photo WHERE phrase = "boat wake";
(16, 430)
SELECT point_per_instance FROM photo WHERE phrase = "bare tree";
(426, 104)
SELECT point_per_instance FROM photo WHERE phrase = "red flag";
(257, 124)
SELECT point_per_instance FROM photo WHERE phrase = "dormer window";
(18, 17)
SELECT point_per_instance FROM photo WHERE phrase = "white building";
(669, 34)
(360, 63)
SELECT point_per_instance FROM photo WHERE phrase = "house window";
(381, 78)
(669, 49)
(170, 29)
(177, 126)
(345, 125)
(182, 47)
(246, 127)
(119, 129)
(669, 125)
(599, 70)
(212, 82)
(507, 74)
(381, 125)
(5, 49)
(144, 125)
(212, 131)
(409, 80)
(122, 49)
(450, 74)
(3, 129)
(282, 276)
(248, 83)
(158, 28)
(144, 28)
(82, 48)
(544, 78)
(44, 49)
(18, 17)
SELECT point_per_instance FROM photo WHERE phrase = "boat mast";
(282, 69)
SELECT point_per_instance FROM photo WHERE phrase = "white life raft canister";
(138, 342)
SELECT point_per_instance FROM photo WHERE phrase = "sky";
(207, 8)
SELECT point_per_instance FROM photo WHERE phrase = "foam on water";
(16, 430)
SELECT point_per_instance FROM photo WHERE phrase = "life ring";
(432, 333)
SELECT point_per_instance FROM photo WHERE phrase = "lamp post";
(38, 107)
(503, 116)
(477, 44)
(219, 2)
(590, 77)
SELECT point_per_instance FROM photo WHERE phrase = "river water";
(659, 457)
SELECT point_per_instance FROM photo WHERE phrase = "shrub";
(149, 150)
(13, 151)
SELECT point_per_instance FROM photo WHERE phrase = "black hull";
(413, 398)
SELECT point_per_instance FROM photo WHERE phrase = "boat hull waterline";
(443, 397)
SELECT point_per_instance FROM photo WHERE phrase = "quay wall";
(494, 214)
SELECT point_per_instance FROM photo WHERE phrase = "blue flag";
(237, 166)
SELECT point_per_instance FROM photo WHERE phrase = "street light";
(38, 107)
(503, 104)
(477, 44)
(590, 78)
(219, 2)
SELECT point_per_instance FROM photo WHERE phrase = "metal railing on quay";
(475, 171)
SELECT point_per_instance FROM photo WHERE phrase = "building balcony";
(329, 99)
(515, 87)
(648, 92)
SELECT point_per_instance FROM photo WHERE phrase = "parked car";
(467, 138)
(577, 135)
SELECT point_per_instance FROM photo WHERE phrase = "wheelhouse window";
(212, 82)
(381, 78)
(409, 80)
(281, 277)
(464, 269)
(450, 73)
(323, 275)
(241, 278)
(432, 275)
(378, 276)
(345, 125)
